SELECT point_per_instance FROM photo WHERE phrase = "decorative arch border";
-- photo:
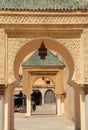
(50, 44)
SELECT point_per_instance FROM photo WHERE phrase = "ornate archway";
(50, 44)
(50, 66)
(64, 31)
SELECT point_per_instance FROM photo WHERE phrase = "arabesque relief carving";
(14, 44)
(43, 19)
(73, 45)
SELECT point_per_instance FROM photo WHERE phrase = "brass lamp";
(42, 51)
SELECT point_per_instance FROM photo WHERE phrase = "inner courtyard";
(42, 122)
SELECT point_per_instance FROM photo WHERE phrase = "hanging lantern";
(42, 51)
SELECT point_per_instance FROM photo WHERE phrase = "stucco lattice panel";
(14, 44)
(42, 19)
(73, 45)
(2, 48)
(85, 41)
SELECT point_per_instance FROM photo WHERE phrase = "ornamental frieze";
(43, 19)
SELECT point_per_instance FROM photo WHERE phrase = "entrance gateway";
(63, 25)
(44, 64)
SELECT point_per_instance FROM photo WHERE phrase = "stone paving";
(42, 121)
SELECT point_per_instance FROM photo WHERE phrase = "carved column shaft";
(42, 98)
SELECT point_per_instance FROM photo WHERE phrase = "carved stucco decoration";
(85, 42)
(2, 47)
(43, 19)
(15, 43)
(73, 45)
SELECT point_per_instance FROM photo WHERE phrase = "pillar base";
(26, 115)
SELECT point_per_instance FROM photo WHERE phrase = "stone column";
(2, 107)
(86, 106)
(1, 112)
(77, 107)
(28, 105)
(11, 107)
(82, 108)
(65, 105)
(62, 104)
(7, 109)
(42, 99)
(58, 105)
